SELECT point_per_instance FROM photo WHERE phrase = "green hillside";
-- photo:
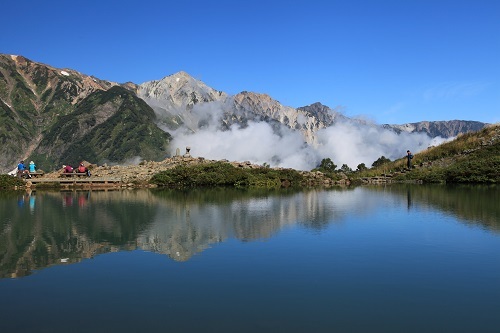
(108, 126)
(471, 158)
(56, 117)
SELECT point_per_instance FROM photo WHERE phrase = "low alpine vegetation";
(225, 174)
(9, 182)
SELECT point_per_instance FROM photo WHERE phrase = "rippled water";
(369, 259)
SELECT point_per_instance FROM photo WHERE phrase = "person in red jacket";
(83, 169)
(67, 168)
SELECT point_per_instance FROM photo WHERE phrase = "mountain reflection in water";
(40, 229)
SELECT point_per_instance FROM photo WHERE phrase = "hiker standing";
(409, 157)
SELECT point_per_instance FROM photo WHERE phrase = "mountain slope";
(473, 157)
(112, 125)
(53, 115)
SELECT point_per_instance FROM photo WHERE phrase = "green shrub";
(9, 182)
(213, 174)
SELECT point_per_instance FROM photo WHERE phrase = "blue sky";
(389, 61)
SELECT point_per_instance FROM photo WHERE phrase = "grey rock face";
(174, 96)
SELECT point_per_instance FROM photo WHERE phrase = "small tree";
(362, 167)
(381, 160)
(345, 168)
(326, 165)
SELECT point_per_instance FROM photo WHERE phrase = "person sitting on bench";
(83, 169)
(22, 171)
(67, 169)
(32, 167)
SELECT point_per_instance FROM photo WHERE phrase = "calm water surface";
(369, 259)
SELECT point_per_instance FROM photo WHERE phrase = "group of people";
(23, 171)
(81, 169)
(26, 171)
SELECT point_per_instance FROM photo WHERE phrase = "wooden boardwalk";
(79, 181)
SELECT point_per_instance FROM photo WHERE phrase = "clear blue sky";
(391, 61)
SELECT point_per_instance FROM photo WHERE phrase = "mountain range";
(60, 116)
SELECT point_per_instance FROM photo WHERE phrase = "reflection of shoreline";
(188, 225)
(62, 225)
(473, 204)
(68, 226)
(74, 225)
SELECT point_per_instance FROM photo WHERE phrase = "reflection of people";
(409, 157)
(32, 202)
(408, 199)
(81, 200)
(67, 200)
(32, 166)
(20, 200)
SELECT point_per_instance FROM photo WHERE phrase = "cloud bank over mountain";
(254, 127)
(345, 142)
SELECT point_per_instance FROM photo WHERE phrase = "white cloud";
(345, 143)
(256, 143)
(352, 144)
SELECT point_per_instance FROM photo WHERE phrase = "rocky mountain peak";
(177, 92)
